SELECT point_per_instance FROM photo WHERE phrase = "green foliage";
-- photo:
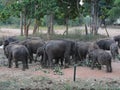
(37, 9)
(114, 11)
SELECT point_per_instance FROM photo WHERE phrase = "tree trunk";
(66, 22)
(94, 24)
(26, 25)
(21, 23)
(35, 27)
(86, 30)
(27, 29)
(50, 24)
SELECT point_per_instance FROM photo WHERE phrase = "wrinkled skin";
(100, 57)
(117, 39)
(58, 49)
(114, 50)
(105, 43)
(32, 46)
(17, 53)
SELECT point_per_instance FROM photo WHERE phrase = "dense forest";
(48, 13)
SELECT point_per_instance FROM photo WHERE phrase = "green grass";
(45, 83)
(79, 37)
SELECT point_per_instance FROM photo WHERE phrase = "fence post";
(74, 76)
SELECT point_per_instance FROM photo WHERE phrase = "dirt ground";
(9, 76)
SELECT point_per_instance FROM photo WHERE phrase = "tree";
(67, 10)
(114, 12)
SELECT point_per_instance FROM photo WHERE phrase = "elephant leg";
(50, 62)
(45, 59)
(9, 62)
(24, 64)
(108, 68)
(92, 64)
(16, 64)
(99, 66)
(113, 55)
(31, 59)
(61, 60)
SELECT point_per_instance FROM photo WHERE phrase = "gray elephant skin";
(105, 43)
(82, 49)
(58, 49)
(8, 40)
(17, 53)
(114, 50)
(100, 57)
(117, 39)
(32, 46)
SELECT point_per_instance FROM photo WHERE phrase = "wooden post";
(74, 76)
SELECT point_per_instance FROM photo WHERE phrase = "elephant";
(34, 38)
(114, 50)
(58, 49)
(8, 40)
(40, 52)
(32, 46)
(100, 57)
(15, 52)
(117, 39)
(82, 49)
(105, 43)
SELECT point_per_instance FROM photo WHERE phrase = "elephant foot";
(109, 71)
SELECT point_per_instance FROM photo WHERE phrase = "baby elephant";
(100, 57)
(17, 53)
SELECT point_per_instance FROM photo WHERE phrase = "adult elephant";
(15, 52)
(105, 43)
(82, 49)
(32, 46)
(58, 49)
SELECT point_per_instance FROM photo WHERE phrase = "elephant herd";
(61, 51)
